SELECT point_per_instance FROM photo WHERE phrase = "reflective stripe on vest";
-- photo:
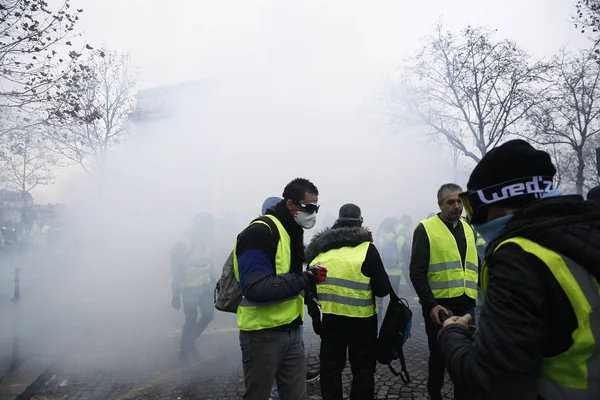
(254, 316)
(574, 374)
(447, 276)
(346, 291)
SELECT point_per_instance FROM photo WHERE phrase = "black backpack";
(394, 332)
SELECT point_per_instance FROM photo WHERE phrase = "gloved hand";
(314, 310)
(317, 273)
(176, 302)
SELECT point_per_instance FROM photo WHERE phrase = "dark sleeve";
(419, 265)
(258, 281)
(373, 268)
(506, 357)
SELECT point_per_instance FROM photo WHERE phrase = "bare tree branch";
(568, 116)
(106, 100)
(469, 89)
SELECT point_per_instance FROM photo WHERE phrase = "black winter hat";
(350, 211)
(594, 193)
(510, 175)
(512, 160)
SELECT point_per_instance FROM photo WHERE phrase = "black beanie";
(350, 211)
(512, 160)
(594, 193)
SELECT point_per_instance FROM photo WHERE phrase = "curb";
(25, 381)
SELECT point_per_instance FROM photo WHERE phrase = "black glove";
(176, 302)
(314, 310)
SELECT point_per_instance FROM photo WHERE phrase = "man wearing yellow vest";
(539, 328)
(193, 279)
(268, 263)
(355, 274)
(444, 272)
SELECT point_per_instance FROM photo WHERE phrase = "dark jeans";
(194, 299)
(358, 337)
(437, 366)
(269, 355)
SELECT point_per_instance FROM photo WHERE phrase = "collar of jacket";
(283, 215)
(335, 238)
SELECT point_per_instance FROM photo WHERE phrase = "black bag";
(394, 332)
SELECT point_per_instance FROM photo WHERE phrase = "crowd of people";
(526, 256)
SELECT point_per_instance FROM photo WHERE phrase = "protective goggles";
(308, 207)
(476, 202)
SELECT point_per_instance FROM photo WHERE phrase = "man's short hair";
(297, 189)
(451, 187)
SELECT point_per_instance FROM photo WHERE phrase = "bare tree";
(37, 74)
(106, 100)
(569, 115)
(27, 161)
(588, 18)
(469, 89)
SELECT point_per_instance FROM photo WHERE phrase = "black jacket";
(526, 315)
(341, 236)
(419, 265)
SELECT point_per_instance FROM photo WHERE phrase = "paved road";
(149, 369)
(106, 344)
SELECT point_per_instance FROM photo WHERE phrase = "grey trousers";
(274, 391)
(269, 355)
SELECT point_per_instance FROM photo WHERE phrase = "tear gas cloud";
(268, 91)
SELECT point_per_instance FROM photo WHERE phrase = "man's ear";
(289, 205)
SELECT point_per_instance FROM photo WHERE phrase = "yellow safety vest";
(197, 263)
(574, 374)
(252, 316)
(447, 276)
(384, 241)
(346, 291)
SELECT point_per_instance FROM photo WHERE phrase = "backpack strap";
(403, 374)
(274, 237)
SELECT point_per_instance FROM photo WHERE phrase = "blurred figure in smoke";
(193, 281)
(391, 240)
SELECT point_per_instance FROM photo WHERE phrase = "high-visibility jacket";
(392, 242)
(575, 373)
(346, 291)
(253, 316)
(448, 277)
(197, 262)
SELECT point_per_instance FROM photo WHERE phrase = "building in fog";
(161, 103)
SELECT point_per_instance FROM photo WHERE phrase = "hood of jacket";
(568, 225)
(335, 238)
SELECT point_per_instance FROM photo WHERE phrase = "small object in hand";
(443, 316)
(318, 273)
